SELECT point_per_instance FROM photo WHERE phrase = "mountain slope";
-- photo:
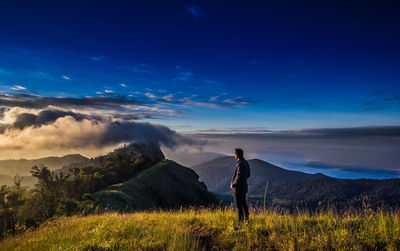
(217, 174)
(190, 159)
(164, 185)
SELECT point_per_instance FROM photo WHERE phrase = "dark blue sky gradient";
(296, 64)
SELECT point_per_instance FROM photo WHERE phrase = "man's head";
(238, 153)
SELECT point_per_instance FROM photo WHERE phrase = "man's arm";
(233, 179)
(240, 175)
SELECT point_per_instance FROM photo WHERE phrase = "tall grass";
(206, 229)
(265, 196)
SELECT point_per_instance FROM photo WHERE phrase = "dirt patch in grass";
(206, 237)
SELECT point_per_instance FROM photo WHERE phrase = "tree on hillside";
(11, 200)
(53, 192)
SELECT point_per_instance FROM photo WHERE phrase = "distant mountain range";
(292, 189)
(23, 166)
(217, 174)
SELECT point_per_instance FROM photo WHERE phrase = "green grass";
(213, 229)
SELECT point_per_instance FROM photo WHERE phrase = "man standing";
(239, 185)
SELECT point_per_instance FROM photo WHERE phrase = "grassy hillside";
(164, 185)
(213, 230)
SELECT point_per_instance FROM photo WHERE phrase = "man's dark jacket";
(242, 173)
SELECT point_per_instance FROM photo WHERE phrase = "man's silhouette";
(239, 184)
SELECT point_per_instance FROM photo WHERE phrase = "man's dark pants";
(240, 201)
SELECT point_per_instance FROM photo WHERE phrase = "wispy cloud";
(5, 72)
(183, 74)
(43, 75)
(236, 101)
(393, 98)
(38, 102)
(140, 68)
(108, 91)
(170, 97)
(180, 126)
(66, 77)
(228, 130)
(213, 82)
(371, 106)
(123, 84)
(196, 101)
(195, 11)
(190, 101)
(95, 58)
(18, 88)
(149, 95)
(212, 99)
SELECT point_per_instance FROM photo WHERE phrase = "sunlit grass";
(214, 229)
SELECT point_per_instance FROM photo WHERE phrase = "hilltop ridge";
(164, 185)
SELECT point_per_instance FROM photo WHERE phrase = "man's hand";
(231, 186)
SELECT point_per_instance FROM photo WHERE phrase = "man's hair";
(239, 152)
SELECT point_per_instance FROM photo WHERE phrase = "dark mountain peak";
(150, 150)
(219, 159)
(73, 155)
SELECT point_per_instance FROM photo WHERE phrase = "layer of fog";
(343, 153)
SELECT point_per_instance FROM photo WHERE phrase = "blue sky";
(281, 65)
(266, 76)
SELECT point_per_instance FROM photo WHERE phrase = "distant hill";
(8, 180)
(164, 185)
(217, 174)
(340, 193)
(23, 166)
(190, 159)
